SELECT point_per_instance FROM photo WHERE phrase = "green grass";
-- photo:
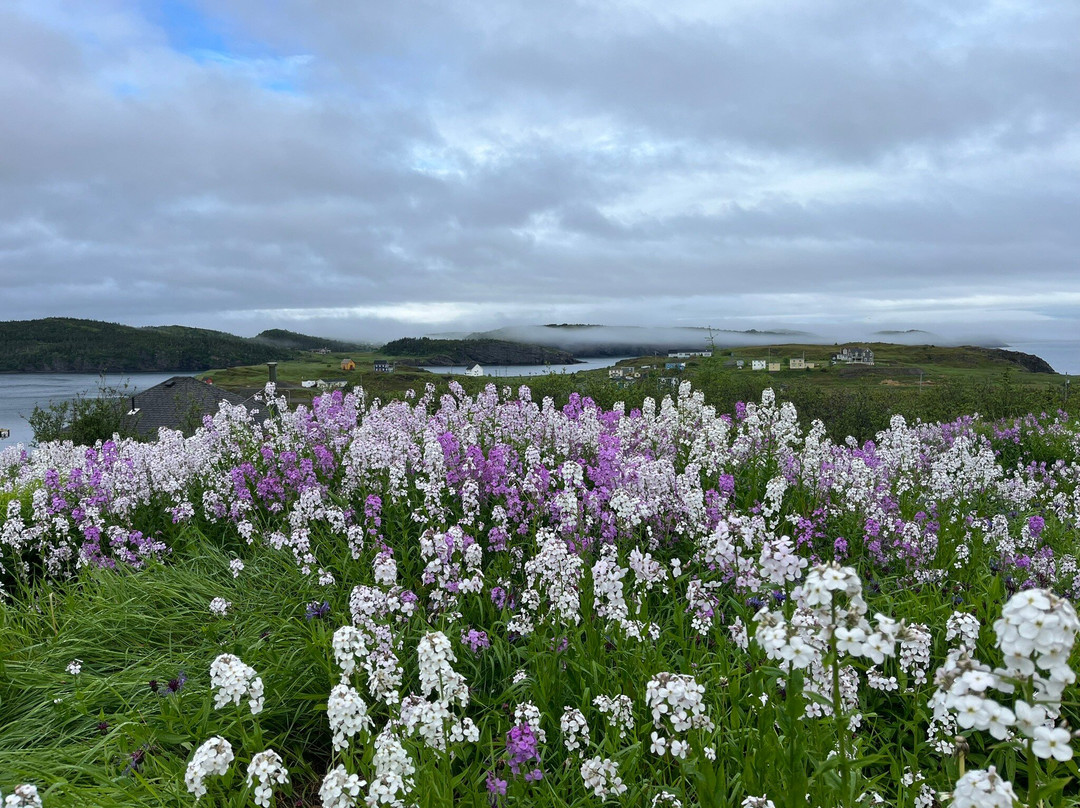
(131, 627)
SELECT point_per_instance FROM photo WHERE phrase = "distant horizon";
(760, 334)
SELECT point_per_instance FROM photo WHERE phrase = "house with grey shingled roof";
(180, 403)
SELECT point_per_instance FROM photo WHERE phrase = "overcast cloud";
(370, 169)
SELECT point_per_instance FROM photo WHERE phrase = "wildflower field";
(493, 601)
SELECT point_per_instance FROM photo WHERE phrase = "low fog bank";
(585, 340)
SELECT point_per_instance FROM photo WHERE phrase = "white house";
(797, 364)
(854, 356)
(774, 367)
(757, 364)
(475, 370)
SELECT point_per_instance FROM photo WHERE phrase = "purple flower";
(177, 684)
(496, 786)
(475, 640)
(316, 610)
(1036, 525)
(522, 747)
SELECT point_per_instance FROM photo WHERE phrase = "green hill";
(281, 338)
(68, 345)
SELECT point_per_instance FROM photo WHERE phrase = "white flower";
(236, 566)
(757, 802)
(213, 757)
(529, 713)
(971, 711)
(231, 680)
(340, 789)
(665, 799)
(435, 654)
(619, 711)
(659, 744)
(601, 775)
(219, 607)
(394, 770)
(1029, 717)
(75, 667)
(850, 641)
(1038, 623)
(983, 789)
(347, 714)
(24, 796)
(268, 769)
(574, 730)
(1051, 743)
(349, 646)
(1001, 719)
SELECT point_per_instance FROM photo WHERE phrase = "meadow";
(492, 599)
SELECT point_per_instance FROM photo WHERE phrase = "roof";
(181, 402)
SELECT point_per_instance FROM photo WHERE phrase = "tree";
(85, 419)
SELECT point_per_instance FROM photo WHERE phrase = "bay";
(21, 392)
(499, 371)
(1062, 354)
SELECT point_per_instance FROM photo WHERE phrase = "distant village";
(846, 356)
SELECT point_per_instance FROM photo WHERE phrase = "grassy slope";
(128, 629)
(937, 363)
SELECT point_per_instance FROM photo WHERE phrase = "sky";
(367, 169)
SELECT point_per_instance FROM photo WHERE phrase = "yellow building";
(348, 364)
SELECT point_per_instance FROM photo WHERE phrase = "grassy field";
(251, 378)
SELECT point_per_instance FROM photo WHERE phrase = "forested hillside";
(66, 345)
(281, 338)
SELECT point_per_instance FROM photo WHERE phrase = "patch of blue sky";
(188, 29)
(211, 41)
(280, 74)
(125, 89)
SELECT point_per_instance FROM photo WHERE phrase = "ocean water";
(1062, 354)
(497, 371)
(21, 392)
